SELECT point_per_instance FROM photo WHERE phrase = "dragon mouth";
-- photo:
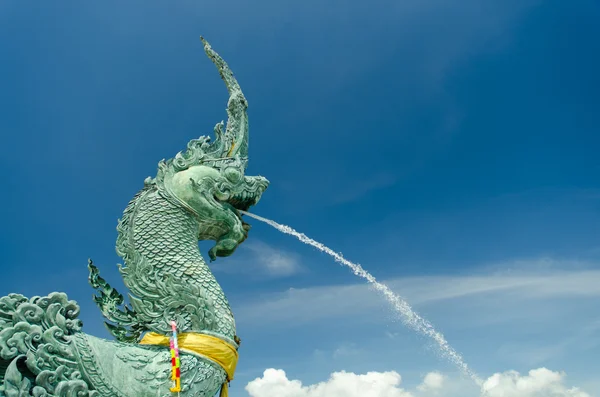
(243, 201)
(246, 197)
(239, 202)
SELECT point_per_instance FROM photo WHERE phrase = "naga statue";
(195, 196)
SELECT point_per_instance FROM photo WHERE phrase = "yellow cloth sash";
(210, 347)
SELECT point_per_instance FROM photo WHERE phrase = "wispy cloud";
(339, 354)
(262, 260)
(275, 261)
(586, 337)
(345, 350)
(307, 305)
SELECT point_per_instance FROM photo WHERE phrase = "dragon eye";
(233, 175)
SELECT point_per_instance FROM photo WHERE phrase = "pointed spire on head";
(235, 139)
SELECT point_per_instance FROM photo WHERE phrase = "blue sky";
(449, 147)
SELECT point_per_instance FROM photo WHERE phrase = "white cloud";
(539, 382)
(274, 382)
(433, 381)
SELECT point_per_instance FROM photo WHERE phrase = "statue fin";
(124, 323)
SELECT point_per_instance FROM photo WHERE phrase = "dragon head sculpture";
(208, 178)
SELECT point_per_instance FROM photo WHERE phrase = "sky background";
(449, 147)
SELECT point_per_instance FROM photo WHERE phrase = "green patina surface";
(194, 196)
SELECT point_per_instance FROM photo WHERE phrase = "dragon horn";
(236, 133)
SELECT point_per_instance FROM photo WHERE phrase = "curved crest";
(236, 133)
(229, 148)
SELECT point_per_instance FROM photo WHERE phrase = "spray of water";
(408, 315)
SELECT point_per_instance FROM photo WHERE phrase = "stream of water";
(408, 316)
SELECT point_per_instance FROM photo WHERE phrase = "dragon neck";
(164, 271)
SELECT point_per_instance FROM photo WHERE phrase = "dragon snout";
(249, 194)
